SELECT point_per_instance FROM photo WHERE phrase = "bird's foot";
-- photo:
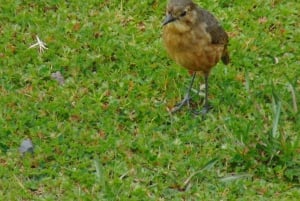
(178, 106)
(204, 110)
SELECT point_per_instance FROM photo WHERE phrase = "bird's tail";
(225, 56)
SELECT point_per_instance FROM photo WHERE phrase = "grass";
(106, 134)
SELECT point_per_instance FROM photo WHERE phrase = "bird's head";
(180, 12)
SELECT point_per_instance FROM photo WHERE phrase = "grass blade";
(277, 110)
(235, 177)
(99, 173)
(295, 107)
(276, 113)
(207, 166)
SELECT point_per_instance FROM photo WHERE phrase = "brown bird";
(195, 40)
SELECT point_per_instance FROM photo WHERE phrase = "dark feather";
(217, 33)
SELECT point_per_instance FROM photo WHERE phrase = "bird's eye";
(183, 14)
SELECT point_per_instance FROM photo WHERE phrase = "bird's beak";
(169, 18)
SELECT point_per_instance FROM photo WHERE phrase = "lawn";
(106, 132)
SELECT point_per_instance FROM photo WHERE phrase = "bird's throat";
(178, 27)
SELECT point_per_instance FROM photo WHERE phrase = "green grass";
(106, 134)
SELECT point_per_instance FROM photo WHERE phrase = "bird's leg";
(187, 97)
(206, 106)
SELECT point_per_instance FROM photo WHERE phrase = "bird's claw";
(204, 110)
(178, 106)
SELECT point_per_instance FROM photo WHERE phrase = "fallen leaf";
(58, 77)
(76, 27)
(141, 26)
(26, 146)
(262, 20)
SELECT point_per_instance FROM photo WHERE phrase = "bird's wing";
(216, 31)
(218, 35)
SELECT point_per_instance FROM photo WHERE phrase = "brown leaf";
(101, 134)
(12, 48)
(240, 77)
(97, 34)
(262, 20)
(76, 27)
(141, 26)
(75, 118)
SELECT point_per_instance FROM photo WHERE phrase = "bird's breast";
(192, 48)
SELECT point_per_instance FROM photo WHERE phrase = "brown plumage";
(195, 40)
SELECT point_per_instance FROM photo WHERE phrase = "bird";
(194, 39)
